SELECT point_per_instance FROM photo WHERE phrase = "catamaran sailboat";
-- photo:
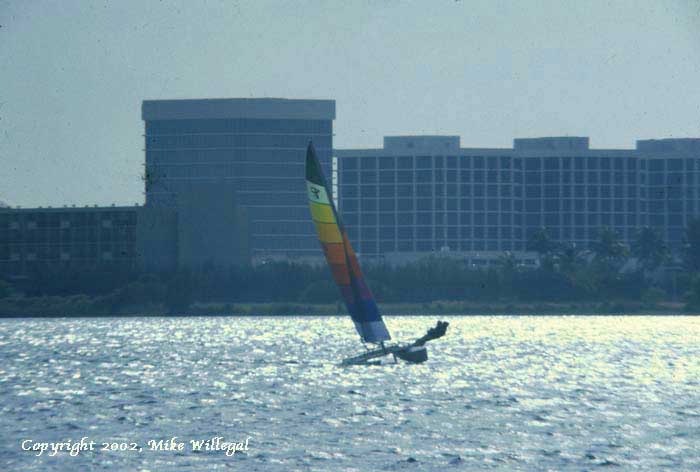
(347, 275)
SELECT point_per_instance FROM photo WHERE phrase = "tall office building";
(253, 147)
(422, 194)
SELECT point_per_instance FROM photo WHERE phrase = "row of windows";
(427, 232)
(62, 251)
(285, 242)
(674, 179)
(438, 204)
(422, 190)
(671, 193)
(74, 234)
(236, 140)
(491, 190)
(17, 266)
(591, 177)
(590, 205)
(252, 193)
(673, 165)
(581, 191)
(240, 125)
(494, 219)
(234, 156)
(424, 176)
(430, 246)
(408, 191)
(165, 194)
(568, 219)
(581, 163)
(249, 169)
(66, 218)
(673, 219)
(273, 175)
(507, 205)
(530, 164)
(350, 205)
(507, 177)
(663, 206)
(581, 219)
(408, 219)
(628, 163)
(382, 247)
(370, 235)
(531, 205)
(288, 183)
(426, 162)
(578, 234)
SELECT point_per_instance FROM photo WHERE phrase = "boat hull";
(413, 354)
(410, 354)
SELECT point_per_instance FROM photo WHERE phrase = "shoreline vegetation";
(610, 278)
(71, 308)
(79, 307)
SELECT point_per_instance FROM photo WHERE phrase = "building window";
(424, 219)
(349, 163)
(424, 162)
(386, 162)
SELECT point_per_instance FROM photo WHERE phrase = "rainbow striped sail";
(340, 256)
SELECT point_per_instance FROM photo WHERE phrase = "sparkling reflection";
(524, 393)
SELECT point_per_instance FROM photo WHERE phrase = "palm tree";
(691, 246)
(508, 270)
(545, 247)
(507, 262)
(650, 249)
(569, 257)
(608, 248)
(541, 243)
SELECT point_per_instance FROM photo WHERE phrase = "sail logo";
(317, 193)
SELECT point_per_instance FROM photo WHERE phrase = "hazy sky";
(73, 75)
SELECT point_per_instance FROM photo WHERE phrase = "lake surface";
(498, 393)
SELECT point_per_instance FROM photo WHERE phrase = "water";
(502, 393)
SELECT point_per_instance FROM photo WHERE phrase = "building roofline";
(70, 209)
(486, 152)
(230, 108)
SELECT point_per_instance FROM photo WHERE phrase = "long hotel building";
(424, 194)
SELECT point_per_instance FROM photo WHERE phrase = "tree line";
(609, 270)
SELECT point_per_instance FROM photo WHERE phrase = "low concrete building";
(128, 239)
(89, 238)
